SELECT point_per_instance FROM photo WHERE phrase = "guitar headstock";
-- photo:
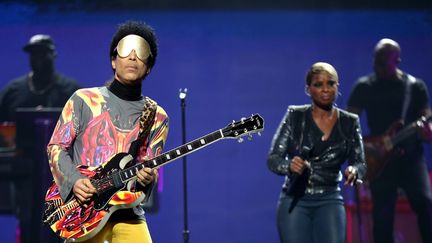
(243, 127)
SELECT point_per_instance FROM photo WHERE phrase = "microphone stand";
(186, 232)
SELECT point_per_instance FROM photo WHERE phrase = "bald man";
(387, 96)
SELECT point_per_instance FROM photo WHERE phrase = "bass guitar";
(74, 223)
(380, 149)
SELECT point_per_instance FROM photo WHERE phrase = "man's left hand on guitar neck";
(146, 176)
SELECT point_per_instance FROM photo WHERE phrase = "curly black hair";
(136, 28)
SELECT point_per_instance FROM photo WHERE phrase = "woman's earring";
(338, 94)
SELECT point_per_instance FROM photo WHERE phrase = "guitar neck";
(410, 130)
(176, 153)
(236, 129)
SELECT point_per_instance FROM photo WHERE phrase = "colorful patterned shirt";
(94, 126)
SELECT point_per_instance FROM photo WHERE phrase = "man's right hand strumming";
(83, 191)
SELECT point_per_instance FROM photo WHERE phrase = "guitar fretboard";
(409, 130)
(172, 155)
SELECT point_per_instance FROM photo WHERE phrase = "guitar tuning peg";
(259, 133)
(240, 140)
(250, 137)
(243, 120)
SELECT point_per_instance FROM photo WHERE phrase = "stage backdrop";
(233, 64)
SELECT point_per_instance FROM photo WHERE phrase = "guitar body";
(71, 221)
(379, 150)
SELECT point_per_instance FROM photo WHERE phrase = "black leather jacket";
(296, 132)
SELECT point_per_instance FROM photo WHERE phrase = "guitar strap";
(409, 80)
(146, 121)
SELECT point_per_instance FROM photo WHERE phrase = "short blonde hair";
(320, 67)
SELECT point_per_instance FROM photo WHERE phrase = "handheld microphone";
(298, 182)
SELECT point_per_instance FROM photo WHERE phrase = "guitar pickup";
(117, 181)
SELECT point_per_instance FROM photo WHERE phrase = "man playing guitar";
(395, 152)
(98, 123)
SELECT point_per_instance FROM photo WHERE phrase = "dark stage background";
(234, 63)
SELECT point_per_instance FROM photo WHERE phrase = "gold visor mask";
(133, 42)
